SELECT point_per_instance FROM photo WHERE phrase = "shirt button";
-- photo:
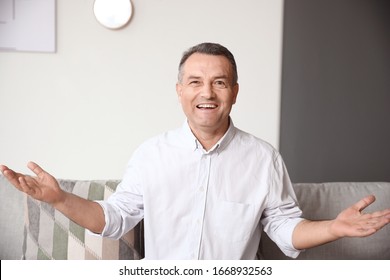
(201, 189)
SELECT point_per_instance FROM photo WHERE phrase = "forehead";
(205, 64)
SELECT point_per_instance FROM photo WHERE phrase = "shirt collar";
(194, 143)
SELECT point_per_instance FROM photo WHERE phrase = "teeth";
(208, 106)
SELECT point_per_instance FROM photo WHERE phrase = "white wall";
(82, 111)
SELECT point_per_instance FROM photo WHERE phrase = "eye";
(194, 83)
(220, 84)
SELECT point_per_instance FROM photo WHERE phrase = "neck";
(209, 137)
(208, 141)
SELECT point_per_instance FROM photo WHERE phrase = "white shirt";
(199, 204)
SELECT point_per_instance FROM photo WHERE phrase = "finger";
(377, 222)
(366, 232)
(376, 225)
(3, 168)
(364, 202)
(384, 213)
(23, 185)
(35, 168)
(29, 184)
(10, 175)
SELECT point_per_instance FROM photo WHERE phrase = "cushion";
(325, 201)
(48, 234)
(11, 221)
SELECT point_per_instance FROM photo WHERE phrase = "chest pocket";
(234, 221)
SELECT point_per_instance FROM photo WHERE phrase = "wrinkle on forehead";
(200, 66)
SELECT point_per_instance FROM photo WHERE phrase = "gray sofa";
(34, 230)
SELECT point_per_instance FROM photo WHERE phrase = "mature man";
(207, 189)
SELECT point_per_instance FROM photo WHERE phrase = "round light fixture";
(113, 14)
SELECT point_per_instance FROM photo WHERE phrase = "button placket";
(200, 202)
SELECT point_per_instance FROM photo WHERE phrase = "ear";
(236, 88)
(179, 89)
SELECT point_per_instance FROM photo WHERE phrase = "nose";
(207, 91)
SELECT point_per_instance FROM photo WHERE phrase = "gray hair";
(211, 49)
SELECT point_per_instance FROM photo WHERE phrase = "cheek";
(186, 97)
(229, 101)
(185, 101)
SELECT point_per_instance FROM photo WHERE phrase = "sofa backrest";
(45, 233)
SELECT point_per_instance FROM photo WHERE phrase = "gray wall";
(335, 108)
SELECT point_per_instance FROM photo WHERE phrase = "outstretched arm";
(351, 222)
(44, 187)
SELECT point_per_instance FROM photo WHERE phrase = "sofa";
(34, 230)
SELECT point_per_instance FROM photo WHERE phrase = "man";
(207, 189)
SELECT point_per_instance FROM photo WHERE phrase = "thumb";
(364, 202)
(36, 169)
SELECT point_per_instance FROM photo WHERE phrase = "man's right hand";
(42, 187)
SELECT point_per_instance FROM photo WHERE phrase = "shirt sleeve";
(124, 209)
(282, 213)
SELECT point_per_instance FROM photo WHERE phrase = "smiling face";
(207, 93)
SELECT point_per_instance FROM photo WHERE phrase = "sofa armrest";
(49, 234)
(11, 221)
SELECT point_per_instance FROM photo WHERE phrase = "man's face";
(206, 92)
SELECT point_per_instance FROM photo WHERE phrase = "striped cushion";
(48, 234)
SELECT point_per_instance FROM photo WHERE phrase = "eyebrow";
(215, 78)
(221, 77)
(193, 77)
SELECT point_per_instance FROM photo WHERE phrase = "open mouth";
(207, 106)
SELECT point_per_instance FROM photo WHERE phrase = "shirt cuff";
(289, 249)
(107, 218)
